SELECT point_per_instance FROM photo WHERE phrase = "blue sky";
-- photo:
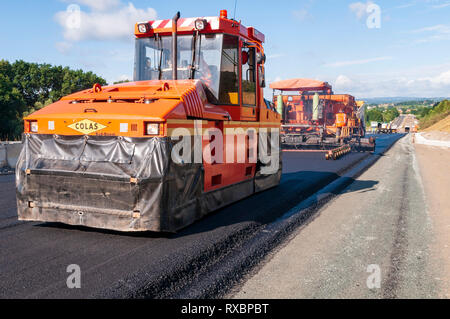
(329, 40)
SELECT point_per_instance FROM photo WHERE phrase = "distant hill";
(382, 100)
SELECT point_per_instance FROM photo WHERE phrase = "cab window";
(229, 72)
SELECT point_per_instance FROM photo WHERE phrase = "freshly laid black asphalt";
(35, 256)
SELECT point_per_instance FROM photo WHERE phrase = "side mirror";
(260, 58)
(244, 57)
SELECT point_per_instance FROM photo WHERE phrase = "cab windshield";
(199, 57)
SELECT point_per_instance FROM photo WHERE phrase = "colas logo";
(87, 126)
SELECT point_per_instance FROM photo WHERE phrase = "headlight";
(152, 129)
(33, 126)
(143, 28)
(200, 24)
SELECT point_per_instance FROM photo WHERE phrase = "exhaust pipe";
(175, 46)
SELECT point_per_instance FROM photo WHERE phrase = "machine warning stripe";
(173, 124)
(186, 122)
(184, 23)
(185, 131)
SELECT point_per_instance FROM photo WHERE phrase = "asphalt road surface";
(403, 121)
(384, 231)
(35, 256)
(397, 122)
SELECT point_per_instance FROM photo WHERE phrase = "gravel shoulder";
(437, 136)
(380, 219)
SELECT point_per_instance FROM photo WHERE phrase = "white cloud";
(107, 20)
(357, 62)
(100, 5)
(277, 78)
(381, 86)
(434, 33)
(440, 6)
(343, 83)
(124, 77)
(440, 28)
(360, 8)
(406, 5)
(63, 47)
(442, 79)
(301, 14)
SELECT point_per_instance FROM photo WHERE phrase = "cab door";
(248, 82)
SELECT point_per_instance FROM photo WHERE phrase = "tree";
(424, 111)
(11, 104)
(40, 82)
(390, 114)
(435, 114)
(121, 81)
(27, 87)
(374, 115)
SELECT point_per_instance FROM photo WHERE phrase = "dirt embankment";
(441, 126)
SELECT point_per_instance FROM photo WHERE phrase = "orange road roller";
(191, 134)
